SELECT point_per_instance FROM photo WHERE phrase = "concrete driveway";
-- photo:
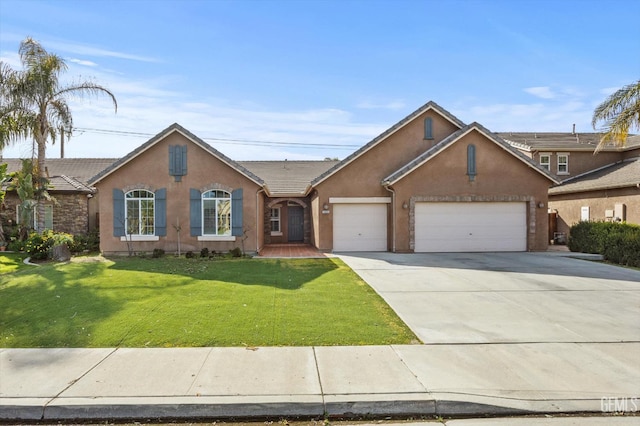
(539, 331)
(451, 298)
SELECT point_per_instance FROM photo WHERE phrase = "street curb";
(280, 406)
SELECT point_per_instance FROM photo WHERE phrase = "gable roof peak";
(454, 137)
(163, 134)
(430, 105)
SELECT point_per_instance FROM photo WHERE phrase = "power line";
(225, 140)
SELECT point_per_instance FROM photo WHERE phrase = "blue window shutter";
(428, 128)
(236, 213)
(161, 212)
(177, 161)
(183, 166)
(118, 213)
(195, 212)
(471, 161)
(172, 160)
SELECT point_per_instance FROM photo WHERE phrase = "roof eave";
(597, 188)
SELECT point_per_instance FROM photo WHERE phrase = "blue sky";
(321, 78)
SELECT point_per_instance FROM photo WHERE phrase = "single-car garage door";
(360, 227)
(472, 226)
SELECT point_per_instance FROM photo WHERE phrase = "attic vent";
(428, 128)
(177, 161)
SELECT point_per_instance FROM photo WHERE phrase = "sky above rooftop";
(309, 79)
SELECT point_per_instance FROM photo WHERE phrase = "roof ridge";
(76, 183)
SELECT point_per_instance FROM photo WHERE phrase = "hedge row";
(617, 242)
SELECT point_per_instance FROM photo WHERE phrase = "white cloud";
(521, 117)
(392, 105)
(83, 62)
(543, 92)
(82, 49)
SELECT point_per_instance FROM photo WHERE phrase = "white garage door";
(360, 227)
(477, 226)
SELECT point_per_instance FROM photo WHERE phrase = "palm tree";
(34, 103)
(619, 112)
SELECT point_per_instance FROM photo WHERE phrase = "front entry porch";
(290, 251)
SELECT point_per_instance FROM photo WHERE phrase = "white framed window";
(216, 213)
(545, 160)
(48, 216)
(140, 212)
(275, 221)
(563, 163)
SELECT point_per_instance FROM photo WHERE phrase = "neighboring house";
(429, 183)
(595, 186)
(610, 193)
(566, 155)
(73, 208)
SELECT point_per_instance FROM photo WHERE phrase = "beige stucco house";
(602, 186)
(428, 183)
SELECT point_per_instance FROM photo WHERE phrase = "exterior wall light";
(405, 205)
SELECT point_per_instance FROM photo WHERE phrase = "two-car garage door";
(471, 226)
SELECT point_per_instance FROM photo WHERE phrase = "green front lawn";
(12, 262)
(134, 302)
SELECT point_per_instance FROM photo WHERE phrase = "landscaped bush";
(624, 247)
(204, 252)
(39, 246)
(157, 253)
(86, 242)
(590, 237)
(235, 252)
(617, 242)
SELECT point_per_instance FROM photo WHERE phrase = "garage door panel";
(360, 227)
(478, 226)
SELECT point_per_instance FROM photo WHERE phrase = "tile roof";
(288, 177)
(78, 168)
(67, 174)
(562, 141)
(429, 105)
(440, 146)
(175, 127)
(622, 174)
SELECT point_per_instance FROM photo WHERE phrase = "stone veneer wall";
(70, 212)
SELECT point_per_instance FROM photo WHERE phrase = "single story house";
(429, 183)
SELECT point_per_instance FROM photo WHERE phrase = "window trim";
(134, 237)
(566, 164)
(126, 216)
(216, 236)
(48, 208)
(546, 166)
(278, 219)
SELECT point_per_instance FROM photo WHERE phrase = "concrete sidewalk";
(425, 380)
